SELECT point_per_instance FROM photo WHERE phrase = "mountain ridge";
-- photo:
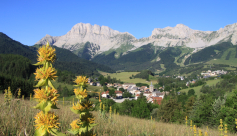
(105, 38)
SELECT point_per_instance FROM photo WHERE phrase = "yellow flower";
(88, 118)
(46, 121)
(49, 73)
(19, 92)
(80, 94)
(75, 125)
(78, 106)
(87, 105)
(91, 120)
(51, 94)
(81, 80)
(46, 53)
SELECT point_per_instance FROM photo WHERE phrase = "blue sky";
(27, 21)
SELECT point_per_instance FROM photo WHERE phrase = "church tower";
(151, 88)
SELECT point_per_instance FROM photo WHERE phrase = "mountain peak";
(181, 26)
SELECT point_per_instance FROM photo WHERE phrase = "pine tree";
(189, 105)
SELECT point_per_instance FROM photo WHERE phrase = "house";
(132, 92)
(116, 84)
(142, 88)
(158, 94)
(105, 94)
(126, 85)
(91, 83)
(98, 84)
(149, 99)
(181, 77)
(109, 85)
(136, 96)
(137, 92)
(89, 80)
(129, 88)
(94, 83)
(156, 100)
(147, 93)
(119, 93)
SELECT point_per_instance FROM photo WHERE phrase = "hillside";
(66, 60)
(146, 57)
(10, 46)
(118, 126)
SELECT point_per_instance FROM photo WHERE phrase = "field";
(197, 89)
(18, 119)
(124, 76)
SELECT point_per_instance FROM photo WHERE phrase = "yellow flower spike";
(46, 121)
(87, 105)
(49, 73)
(40, 95)
(82, 81)
(74, 124)
(78, 106)
(80, 94)
(46, 53)
(19, 93)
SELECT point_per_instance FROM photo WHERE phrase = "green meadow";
(198, 88)
(124, 77)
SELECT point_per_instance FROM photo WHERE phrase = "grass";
(124, 77)
(232, 60)
(198, 88)
(18, 119)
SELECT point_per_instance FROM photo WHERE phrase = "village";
(152, 95)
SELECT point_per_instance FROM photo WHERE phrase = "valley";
(165, 79)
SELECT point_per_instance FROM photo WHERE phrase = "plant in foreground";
(82, 126)
(46, 122)
(7, 96)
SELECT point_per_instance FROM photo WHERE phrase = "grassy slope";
(184, 51)
(19, 119)
(232, 60)
(197, 89)
(124, 76)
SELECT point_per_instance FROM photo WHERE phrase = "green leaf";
(74, 132)
(82, 130)
(38, 63)
(50, 84)
(54, 106)
(41, 105)
(56, 132)
(48, 106)
(41, 83)
(41, 132)
(75, 111)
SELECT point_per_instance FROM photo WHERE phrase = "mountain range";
(166, 48)
(103, 38)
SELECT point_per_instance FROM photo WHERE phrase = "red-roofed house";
(136, 96)
(156, 100)
(105, 94)
(119, 93)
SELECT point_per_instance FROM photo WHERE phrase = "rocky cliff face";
(104, 38)
(181, 35)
